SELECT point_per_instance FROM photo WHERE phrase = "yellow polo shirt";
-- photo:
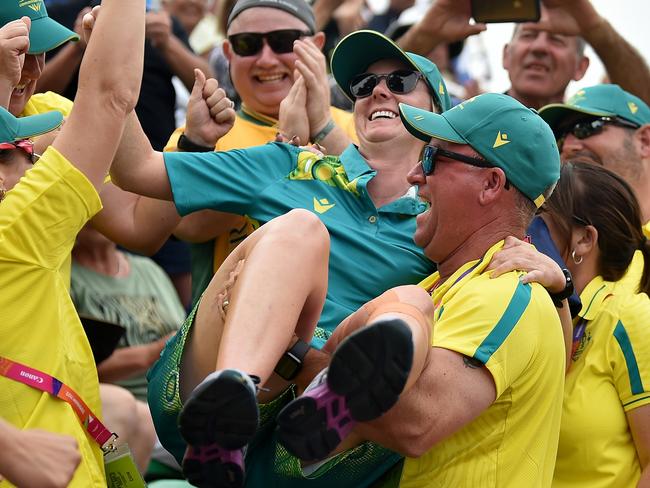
(39, 327)
(632, 278)
(514, 330)
(609, 376)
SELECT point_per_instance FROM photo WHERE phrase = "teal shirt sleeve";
(228, 181)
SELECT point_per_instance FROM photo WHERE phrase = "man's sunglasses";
(399, 82)
(251, 43)
(588, 128)
(25, 144)
(430, 153)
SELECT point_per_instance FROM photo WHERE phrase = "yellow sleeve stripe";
(515, 309)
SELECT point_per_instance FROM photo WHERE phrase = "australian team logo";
(580, 346)
(35, 5)
(327, 169)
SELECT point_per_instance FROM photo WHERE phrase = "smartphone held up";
(493, 11)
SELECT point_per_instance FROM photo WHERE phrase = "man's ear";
(493, 184)
(227, 49)
(319, 39)
(505, 62)
(642, 141)
(581, 69)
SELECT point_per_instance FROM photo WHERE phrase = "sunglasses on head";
(24, 144)
(400, 82)
(588, 128)
(251, 43)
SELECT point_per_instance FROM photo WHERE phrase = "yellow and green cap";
(356, 51)
(503, 131)
(16, 128)
(45, 34)
(601, 101)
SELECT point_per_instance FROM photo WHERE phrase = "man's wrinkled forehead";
(526, 27)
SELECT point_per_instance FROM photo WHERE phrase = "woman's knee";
(301, 228)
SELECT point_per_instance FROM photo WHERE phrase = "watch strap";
(566, 293)
(186, 144)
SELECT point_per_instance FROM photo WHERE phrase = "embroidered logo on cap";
(501, 140)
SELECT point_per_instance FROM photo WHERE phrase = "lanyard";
(49, 384)
(578, 334)
(438, 283)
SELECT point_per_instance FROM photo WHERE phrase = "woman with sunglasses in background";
(47, 370)
(595, 222)
(369, 209)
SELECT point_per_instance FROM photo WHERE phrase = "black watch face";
(287, 367)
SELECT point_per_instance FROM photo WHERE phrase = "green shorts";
(267, 462)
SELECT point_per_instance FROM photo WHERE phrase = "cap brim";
(35, 125)
(424, 125)
(555, 113)
(357, 51)
(47, 34)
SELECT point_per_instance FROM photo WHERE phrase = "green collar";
(255, 117)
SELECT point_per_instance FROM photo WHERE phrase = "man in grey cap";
(269, 43)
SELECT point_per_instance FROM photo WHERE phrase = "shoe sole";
(220, 411)
(368, 370)
(214, 473)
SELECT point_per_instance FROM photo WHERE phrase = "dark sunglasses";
(25, 145)
(251, 43)
(399, 82)
(430, 153)
(588, 128)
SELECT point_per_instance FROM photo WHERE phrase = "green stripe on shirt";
(636, 385)
(518, 303)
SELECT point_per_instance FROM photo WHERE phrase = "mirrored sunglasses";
(399, 82)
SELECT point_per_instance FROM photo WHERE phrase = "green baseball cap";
(45, 34)
(358, 50)
(16, 128)
(503, 131)
(601, 101)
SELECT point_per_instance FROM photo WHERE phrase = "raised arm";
(445, 21)
(624, 64)
(14, 42)
(109, 84)
(60, 69)
(180, 57)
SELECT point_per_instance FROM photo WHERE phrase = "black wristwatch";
(190, 146)
(566, 293)
(290, 363)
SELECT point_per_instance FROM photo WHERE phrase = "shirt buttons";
(372, 219)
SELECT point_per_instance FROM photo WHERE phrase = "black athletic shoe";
(365, 378)
(217, 422)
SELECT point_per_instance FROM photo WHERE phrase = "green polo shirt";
(371, 249)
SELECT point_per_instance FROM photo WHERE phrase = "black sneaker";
(365, 378)
(217, 422)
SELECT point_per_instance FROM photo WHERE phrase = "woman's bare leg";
(271, 287)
